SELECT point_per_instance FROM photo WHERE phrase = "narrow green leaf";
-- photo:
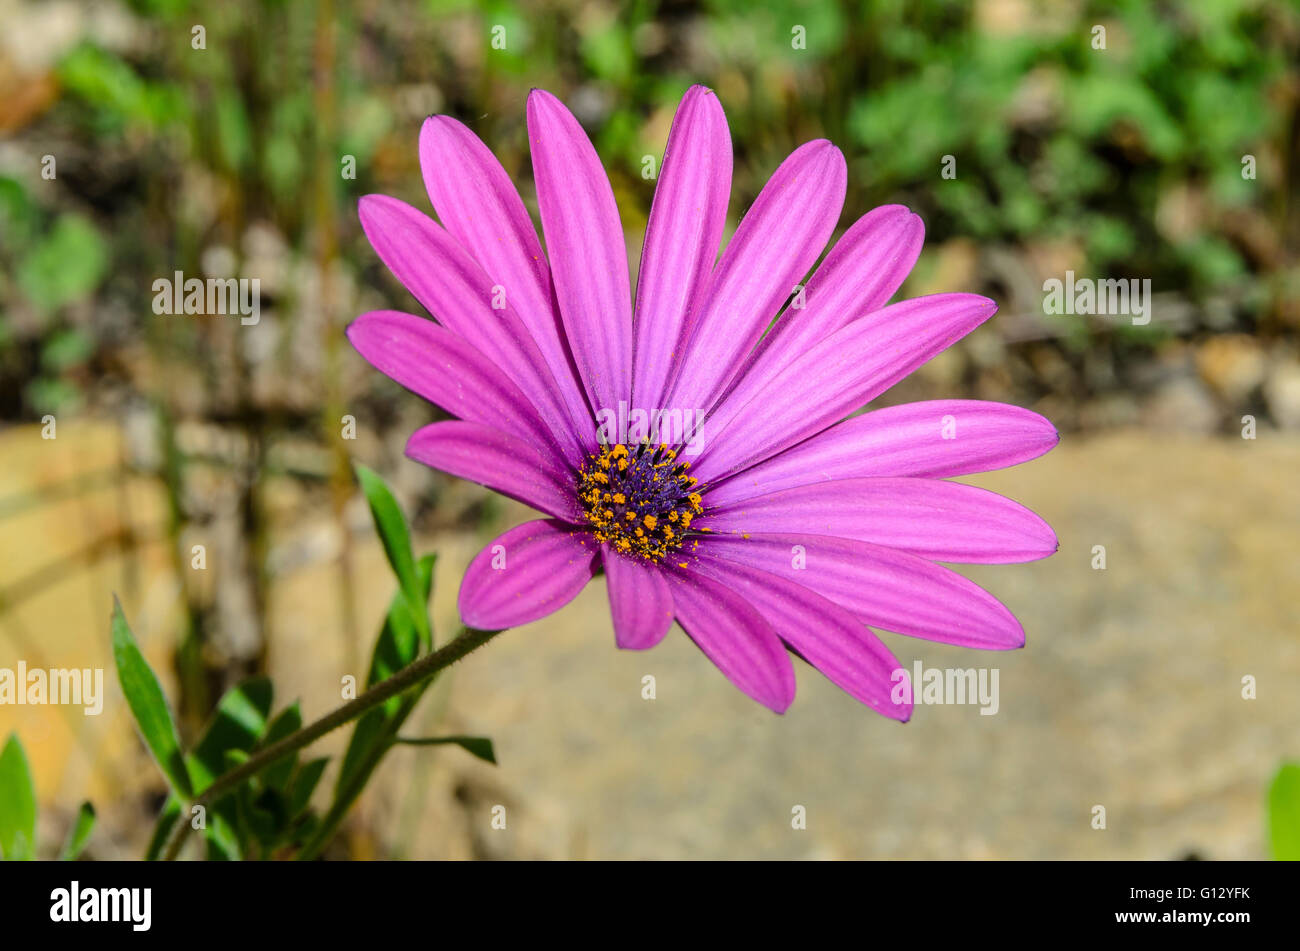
(304, 784)
(238, 723)
(371, 731)
(399, 639)
(286, 723)
(162, 829)
(17, 804)
(304, 829)
(145, 697)
(224, 830)
(1284, 813)
(267, 816)
(480, 746)
(389, 523)
(396, 539)
(396, 647)
(79, 834)
(222, 840)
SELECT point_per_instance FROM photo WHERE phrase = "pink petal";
(681, 240)
(862, 272)
(499, 461)
(452, 287)
(935, 439)
(639, 600)
(587, 249)
(777, 242)
(529, 572)
(826, 635)
(887, 589)
(441, 366)
(844, 371)
(735, 637)
(480, 207)
(942, 521)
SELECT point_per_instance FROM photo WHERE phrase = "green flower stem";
(413, 674)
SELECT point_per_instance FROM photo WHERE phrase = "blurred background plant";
(139, 138)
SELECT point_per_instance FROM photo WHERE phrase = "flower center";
(639, 500)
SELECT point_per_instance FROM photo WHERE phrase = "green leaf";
(224, 828)
(480, 746)
(66, 348)
(222, 840)
(17, 804)
(79, 834)
(104, 81)
(234, 135)
(238, 723)
(18, 213)
(148, 705)
(373, 734)
(371, 731)
(304, 784)
(396, 538)
(65, 265)
(268, 816)
(396, 647)
(1284, 813)
(286, 723)
(399, 639)
(162, 830)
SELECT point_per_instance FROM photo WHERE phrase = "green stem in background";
(410, 676)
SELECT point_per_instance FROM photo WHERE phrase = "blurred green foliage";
(1284, 813)
(1053, 140)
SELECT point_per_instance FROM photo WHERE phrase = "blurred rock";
(37, 35)
(941, 268)
(1233, 364)
(1051, 369)
(945, 370)
(1111, 411)
(1180, 212)
(1182, 405)
(1282, 391)
(1038, 99)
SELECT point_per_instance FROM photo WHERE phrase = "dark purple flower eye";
(705, 458)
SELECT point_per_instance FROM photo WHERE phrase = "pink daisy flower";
(695, 452)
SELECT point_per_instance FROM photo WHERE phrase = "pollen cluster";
(641, 500)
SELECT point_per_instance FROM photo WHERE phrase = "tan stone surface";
(1127, 695)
